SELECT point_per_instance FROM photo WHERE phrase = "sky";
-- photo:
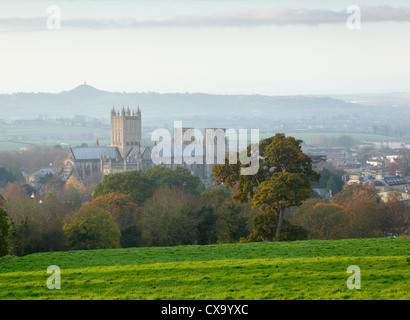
(220, 47)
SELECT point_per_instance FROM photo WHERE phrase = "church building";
(125, 153)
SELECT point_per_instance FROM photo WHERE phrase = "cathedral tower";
(125, 130)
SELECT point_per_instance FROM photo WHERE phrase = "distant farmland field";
(14, 137)
(310, 270)
(311, 137)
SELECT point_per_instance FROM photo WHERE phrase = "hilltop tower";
(125, 130)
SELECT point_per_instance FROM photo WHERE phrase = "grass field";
(286, 270)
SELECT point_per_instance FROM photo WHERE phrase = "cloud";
(243, 18)
(8, 25)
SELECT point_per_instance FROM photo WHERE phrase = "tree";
(180, 177)
(72, 182)
(395, 219)
(364, 216)
(175, 216)
(6, 177)
(131, 236)
(141, 186)
(92, 228)
(22, 238)
(283, 179)
(231, 224)
(74, 198)
(44, 179)
(282, 191)
(170, 217)
(346, 141)
(54, 185)
(323, 220)
(331, 186)
(325, 174)
(126, 213)
(121, 206)
(18, 204)
(17, 172)
(206, 218)
(215, 196)
(4, 230)
(355, 190)
(134, 183)
(35, 226)
(265, 225)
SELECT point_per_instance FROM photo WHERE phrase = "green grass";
(286, 270)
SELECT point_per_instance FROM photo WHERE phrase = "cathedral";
(125, 153)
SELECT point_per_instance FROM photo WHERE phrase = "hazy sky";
(224, 46)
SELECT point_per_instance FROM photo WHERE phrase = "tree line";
(161, 207)
(355, 212)
(164, 207)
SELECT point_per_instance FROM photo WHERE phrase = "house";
(38, 178)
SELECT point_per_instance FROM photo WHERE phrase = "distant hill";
(195, 108)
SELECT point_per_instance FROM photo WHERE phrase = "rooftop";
(95, 153)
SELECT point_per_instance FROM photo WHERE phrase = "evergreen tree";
(331, 186)
(4, 229)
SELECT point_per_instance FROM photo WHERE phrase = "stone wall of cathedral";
(125, 130)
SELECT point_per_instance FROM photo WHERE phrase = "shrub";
(265, 227)
(323, 220)
(92, 228)
(131, 236)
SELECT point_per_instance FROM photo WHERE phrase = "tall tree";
(283, 178)
(331, 186)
